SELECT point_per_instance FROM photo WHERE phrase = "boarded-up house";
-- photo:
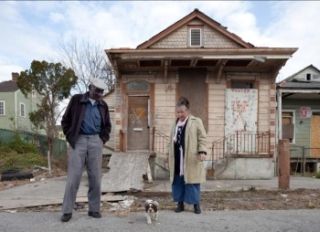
(299, 118)
(230, 84)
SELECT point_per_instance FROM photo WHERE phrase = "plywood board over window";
(315, 135)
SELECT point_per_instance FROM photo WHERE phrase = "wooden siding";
(302, 126)
(211, 38)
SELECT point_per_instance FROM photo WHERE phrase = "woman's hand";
(201, 156)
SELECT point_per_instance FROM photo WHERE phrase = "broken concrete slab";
(47, 192)
(126, 171)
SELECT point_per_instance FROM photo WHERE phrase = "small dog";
(151, 208)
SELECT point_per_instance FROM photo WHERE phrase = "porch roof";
(258, 59)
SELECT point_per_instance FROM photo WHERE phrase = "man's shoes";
(197, 209)
(94, 214)
(180, 207)
(66, 217)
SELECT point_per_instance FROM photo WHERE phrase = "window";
(22, 110)
(308, 77)
(288, 119)
(235, 84)
(195, 37)
(2, 108)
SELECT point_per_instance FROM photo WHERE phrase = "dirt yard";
(243, 200)
(211, 201)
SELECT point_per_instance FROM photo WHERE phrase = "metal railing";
(160, 142)
(242, 143)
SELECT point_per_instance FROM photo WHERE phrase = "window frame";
(201, 42)
(4, 107)
(293, 122)
(24, 110)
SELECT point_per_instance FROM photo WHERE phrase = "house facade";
(15, 107)
(299, 118)
(230, 85)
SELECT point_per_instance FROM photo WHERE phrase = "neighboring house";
(299, 117)
(230, 84)
(15, 107)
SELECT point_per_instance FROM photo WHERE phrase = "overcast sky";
(35, 30)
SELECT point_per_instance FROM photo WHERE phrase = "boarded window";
(138, 86)
(195, 37)
(288, 126)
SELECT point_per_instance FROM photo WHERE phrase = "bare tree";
(88, 61)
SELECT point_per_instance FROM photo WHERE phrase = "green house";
(15, 107)
(299, 104)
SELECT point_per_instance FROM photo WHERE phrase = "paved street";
(227, 221)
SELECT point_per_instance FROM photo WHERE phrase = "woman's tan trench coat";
(195, 141)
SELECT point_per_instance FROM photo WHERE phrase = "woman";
(187, 150)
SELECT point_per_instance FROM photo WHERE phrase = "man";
(86, 125)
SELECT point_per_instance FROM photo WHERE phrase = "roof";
(289, 78)
(196, 14)
(300, 85)
(8, 86)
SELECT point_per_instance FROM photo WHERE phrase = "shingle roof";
(8, 86)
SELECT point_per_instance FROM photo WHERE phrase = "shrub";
(19, 155)
(318, 175)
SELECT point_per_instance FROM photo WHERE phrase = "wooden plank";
(315, 136)
(126, 170)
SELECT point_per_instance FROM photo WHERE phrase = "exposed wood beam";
(220, 66)
(194, 62)
(165, 74)
(286, 95)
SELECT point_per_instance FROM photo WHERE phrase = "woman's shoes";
(197, 209)
(180, 207)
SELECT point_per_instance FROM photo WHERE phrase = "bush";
(318, 175)
(19, 155)
(18, 145)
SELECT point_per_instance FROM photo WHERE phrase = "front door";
(138, 128)
(192, 85)
(315, 135)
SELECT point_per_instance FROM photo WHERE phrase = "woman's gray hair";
(183, 101)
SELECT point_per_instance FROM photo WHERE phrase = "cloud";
(296, 26)
(6, 70)
(34, 30)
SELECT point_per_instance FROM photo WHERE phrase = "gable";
(214, 35)
(308, 74)
(210, 38)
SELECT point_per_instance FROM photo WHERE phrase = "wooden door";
(192, 85)
(315, 136)
(138, 128)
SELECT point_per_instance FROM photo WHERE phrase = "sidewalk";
(236, 185)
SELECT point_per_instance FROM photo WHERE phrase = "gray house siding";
(302, 128)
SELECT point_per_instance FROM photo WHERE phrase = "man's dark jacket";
(74, 114)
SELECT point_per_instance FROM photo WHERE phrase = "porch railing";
(159, 142)
(242, 143)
